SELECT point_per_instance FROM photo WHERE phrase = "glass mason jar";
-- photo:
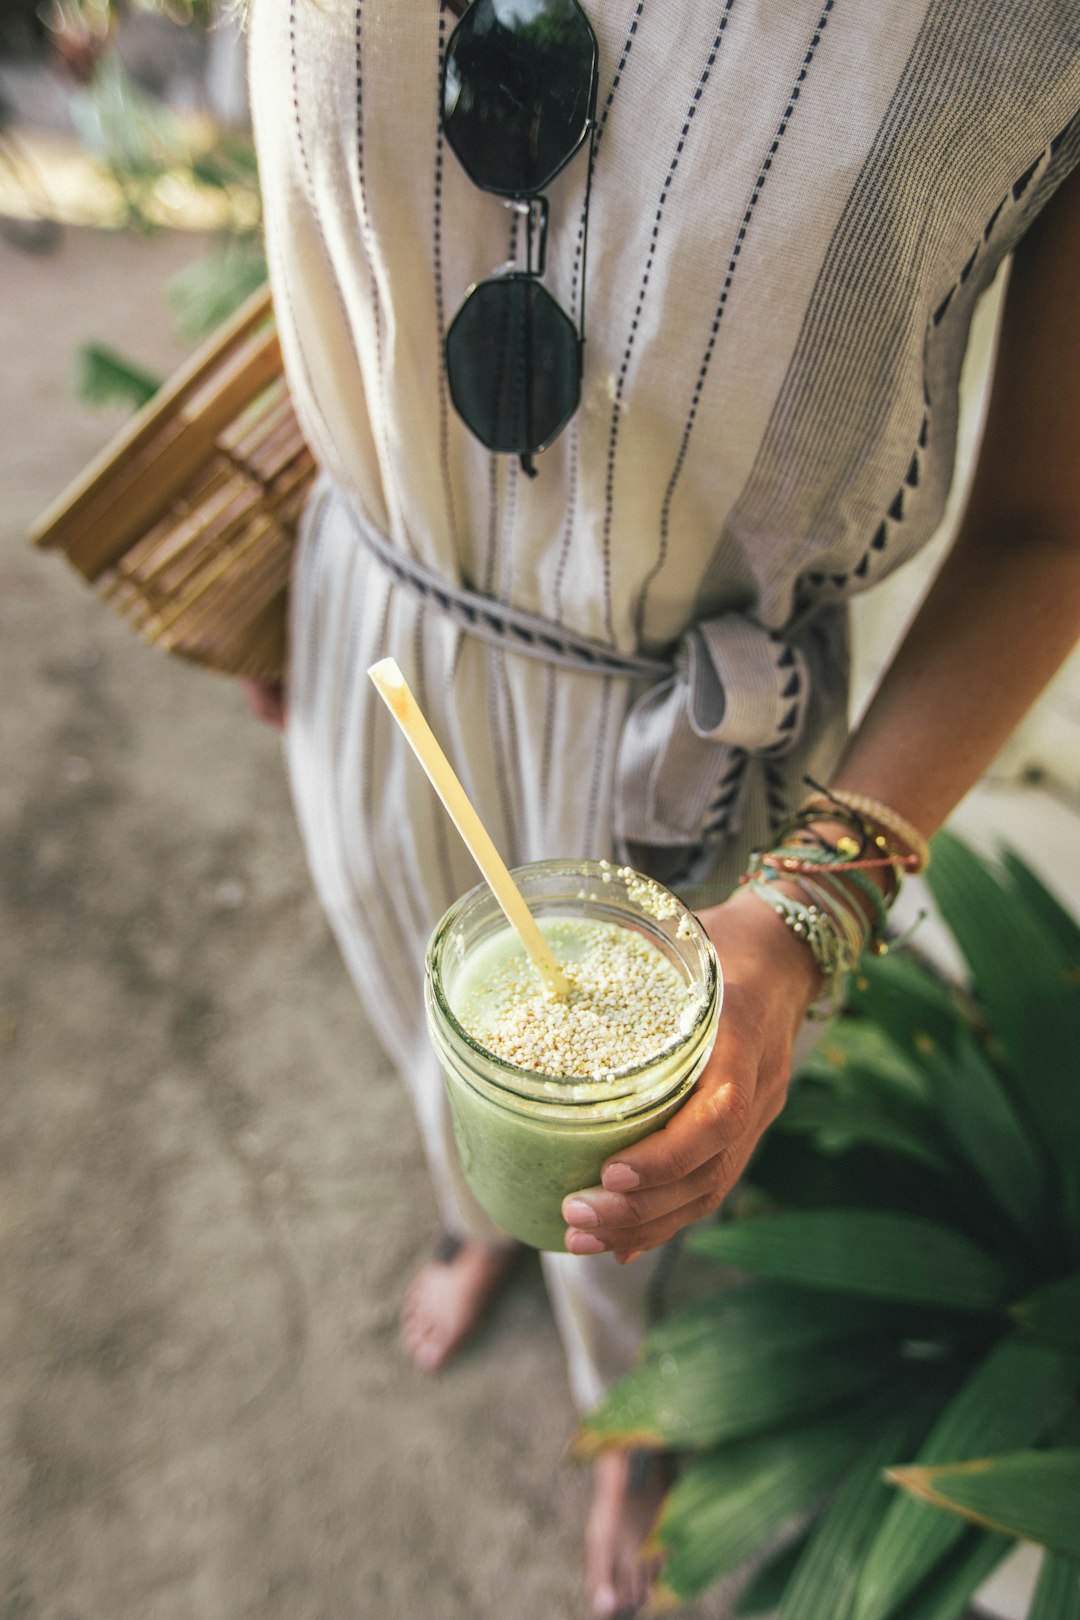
(527, 1139)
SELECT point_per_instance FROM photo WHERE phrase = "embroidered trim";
(896, 510)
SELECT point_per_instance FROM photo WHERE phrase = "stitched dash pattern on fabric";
(440, 310)
(729, 277)
(579, 248)
(635, 320)
(728, 788)
(367, 238)
(897, 508)
(601, 125)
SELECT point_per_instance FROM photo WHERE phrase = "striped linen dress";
(795, 207)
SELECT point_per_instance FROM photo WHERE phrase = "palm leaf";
(1031, 1004)
(763, 1591)
(206, 293)
(717, 1391)
(855, 1053)
(1057, 1596)
(731, 1500)
(794, 1173)
(1013, 1398)
(924, 1053)
(977, 1113)
(823, 1584)
(1035, 1494)
(771, 1317)
(882, 1255)
(1045, 907)
(1052, 1313)
(107, 378)
(902, 998)
(945, 1593)
(838, 1122)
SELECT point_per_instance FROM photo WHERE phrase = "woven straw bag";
(186, 522)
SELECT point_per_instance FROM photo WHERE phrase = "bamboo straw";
(394, 691)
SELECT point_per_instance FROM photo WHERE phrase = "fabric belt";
(732, 689)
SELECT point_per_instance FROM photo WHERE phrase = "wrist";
(798, 884)
(790, 957)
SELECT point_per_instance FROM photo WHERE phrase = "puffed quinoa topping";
(628, 1002)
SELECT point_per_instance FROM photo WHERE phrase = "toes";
(429, 1357)
(605, 1600)
(446, 1300)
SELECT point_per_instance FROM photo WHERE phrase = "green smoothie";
(543, 1092)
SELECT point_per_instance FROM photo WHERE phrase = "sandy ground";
(212, 1192)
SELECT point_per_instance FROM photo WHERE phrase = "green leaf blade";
(1032, 1005)
(731, 1500)
(1057, 1596)
(1052, 1313)
(977, 1113)
(900, 997)
(867, 1252)
(823, 1584)
(945, 1594)
(1034, 1494)
(716, 1392)
(891, 1123)
(1044, 907)
(107, 378)
(762, 1592)
(1013, 1398)
(771, 1317)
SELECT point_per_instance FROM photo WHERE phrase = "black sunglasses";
(518, 101)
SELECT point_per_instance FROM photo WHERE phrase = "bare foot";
(447, 1298)
(627, 1488)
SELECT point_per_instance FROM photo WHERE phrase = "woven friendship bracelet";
(804, 860)
(890, 820)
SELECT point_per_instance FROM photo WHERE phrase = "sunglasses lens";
(519, 91)
(512, 361)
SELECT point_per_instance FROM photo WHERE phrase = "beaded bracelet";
(818, 929)
(829, 919)
(846, 915)
(843, 908)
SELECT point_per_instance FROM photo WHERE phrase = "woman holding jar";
(783, 215)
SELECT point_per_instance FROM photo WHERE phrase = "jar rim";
(612, 1084)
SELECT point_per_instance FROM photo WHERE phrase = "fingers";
(596, 1207)
(717, 1114)
(683, 1171)
(632, 1240)
(686, 1169)
(630, 1222)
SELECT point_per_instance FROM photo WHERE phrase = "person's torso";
(794, 206)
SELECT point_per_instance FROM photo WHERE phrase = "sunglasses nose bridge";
(541, 206)
(536, 212)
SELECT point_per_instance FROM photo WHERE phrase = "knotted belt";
(731, 690)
